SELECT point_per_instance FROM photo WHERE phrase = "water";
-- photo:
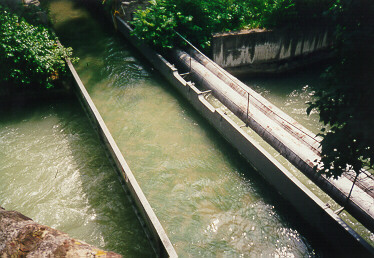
(54, 170)
(209, 200)
(291, 93)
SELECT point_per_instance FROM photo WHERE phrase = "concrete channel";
(305, 202)
(154, 230)
(309, 206)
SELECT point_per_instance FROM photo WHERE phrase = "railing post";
(247, 108)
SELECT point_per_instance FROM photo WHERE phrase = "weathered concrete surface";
(270, 52)
(20, 236)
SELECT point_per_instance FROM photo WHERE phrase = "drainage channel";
(208, 199)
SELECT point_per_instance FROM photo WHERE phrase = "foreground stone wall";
(20, 236)
(261, 51)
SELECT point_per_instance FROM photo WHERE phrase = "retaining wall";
(309, 206)
(270, 52)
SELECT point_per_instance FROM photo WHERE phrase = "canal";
(54, 170)
(208, 199)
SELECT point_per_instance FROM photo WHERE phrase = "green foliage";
(346, 104)
(156, 24)
(198, 19)
(276, 13)
(29, 54)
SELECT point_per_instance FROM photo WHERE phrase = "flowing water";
(54, 170)
(291, 93)
(208, 199)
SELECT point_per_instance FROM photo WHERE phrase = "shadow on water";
(79, 191)
(115, 217)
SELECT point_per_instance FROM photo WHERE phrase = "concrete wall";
(309, 206)
(256, 51)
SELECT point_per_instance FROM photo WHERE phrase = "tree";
(29, 54)
(346, 104)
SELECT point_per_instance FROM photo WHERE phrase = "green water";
(208, 199)
(54, 170)
(291, 93)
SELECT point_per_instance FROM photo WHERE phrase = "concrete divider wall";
(310, 207)
(155, 231)
(256, 51)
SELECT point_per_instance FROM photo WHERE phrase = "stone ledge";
(20, 236)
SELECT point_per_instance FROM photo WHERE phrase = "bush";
(277, 13)
(198, 19)
(29, 54)
(195, 18)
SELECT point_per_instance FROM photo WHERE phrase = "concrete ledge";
(309, 206)
(156, 233)
(271, 52)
